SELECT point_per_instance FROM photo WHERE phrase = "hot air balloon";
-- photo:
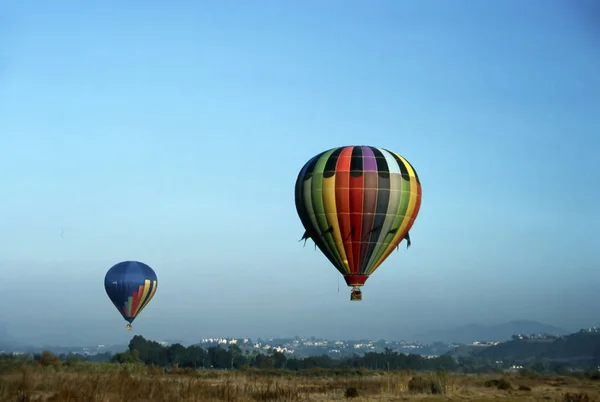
(130, 285)
(357, 203)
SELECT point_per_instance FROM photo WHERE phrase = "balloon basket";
(355, 294)
(128, 327)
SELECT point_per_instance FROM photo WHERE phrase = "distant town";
(302, 347)
(296, 346)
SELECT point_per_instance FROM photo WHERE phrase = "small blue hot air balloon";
(130, 285)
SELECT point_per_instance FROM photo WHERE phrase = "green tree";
(126, 357)
(176, 353)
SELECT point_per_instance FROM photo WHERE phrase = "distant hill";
(580, 346)
(500, 332)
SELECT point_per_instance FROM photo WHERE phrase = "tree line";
(150, 353)
(232, 357)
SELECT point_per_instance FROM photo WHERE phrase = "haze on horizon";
(173, 134)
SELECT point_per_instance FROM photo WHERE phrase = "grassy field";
(113, 383)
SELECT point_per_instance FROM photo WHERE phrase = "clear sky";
(172, 133)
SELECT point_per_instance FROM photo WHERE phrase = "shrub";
(48, 359)
(501, 383)
(351, 392)
(420, 384)
(576, 397)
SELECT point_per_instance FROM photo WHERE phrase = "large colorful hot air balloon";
(130, 285)
(357, 203)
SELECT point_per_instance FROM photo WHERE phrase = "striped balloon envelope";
(130, 285)
(357, 203)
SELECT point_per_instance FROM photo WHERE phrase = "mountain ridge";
(501, 332)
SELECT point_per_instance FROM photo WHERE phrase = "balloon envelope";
(130, 285)
(357, 203)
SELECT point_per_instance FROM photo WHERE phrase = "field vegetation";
(48, 378)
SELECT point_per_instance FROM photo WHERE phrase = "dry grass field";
(113, 383)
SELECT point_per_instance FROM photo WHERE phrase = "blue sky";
(172, 133)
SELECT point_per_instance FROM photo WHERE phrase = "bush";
(593, 375)
(529, 373)
(48, 359)
(576, 397)
(175, 369)
(420, 384)
(126, 357)
(351, 392)
(153, 370)
(501, 383)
